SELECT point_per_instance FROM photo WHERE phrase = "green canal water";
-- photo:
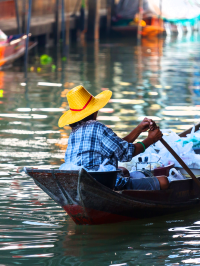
(159, 79)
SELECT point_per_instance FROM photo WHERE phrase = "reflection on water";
(159, 79)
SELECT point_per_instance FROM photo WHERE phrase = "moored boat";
(13, 49)
(158, 16)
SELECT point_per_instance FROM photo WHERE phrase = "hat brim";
(98, 102)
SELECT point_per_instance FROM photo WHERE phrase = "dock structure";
(48, 14)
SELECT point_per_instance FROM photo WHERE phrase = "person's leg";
(164, 183)
(146, 183)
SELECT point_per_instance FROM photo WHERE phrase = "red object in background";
(7, 9)
(1, 78)
(13, 49)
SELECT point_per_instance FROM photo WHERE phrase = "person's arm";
(142, 127)
(123, 150)
(114, 146)
(133, 135)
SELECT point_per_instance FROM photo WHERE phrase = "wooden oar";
(181, 162)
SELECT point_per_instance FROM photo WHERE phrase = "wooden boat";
(87, 201)
(10, 51)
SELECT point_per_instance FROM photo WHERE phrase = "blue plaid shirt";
(91, 143)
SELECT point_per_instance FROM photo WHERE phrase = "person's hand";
(155, 135)
(146, 124)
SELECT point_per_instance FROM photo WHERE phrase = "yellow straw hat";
(82, 104)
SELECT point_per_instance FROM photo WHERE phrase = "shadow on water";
(159, 79)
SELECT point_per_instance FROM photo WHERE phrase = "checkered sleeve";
(112, 145)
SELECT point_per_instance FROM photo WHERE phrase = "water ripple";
(159, 79)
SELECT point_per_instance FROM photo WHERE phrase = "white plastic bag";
(71, 166)
(3, 36)
(150, 153)
(186, 153)
(106, 168)
(193, 137)
(175, 175)
(170, 138)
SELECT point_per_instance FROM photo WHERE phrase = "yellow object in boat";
(152, 30)
(142, 23)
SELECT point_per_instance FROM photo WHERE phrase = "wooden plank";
(27, 38)
(68, 3)
(93, 19)
(17, 16)
(24, 16)
(57, 26)
(110, 12)
(139, 33)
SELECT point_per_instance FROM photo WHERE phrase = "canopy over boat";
(179, 11)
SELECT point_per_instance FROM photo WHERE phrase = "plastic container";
(107, 179)
(163, 170)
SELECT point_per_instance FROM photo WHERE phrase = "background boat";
(157, 16)
(13, 49)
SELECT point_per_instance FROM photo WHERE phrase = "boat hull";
(9, 52)
(88, 202)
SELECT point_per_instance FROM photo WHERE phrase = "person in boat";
(91, 142)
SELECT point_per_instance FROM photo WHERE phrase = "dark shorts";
(147, 183)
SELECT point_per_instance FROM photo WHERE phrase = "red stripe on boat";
(89, 216)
